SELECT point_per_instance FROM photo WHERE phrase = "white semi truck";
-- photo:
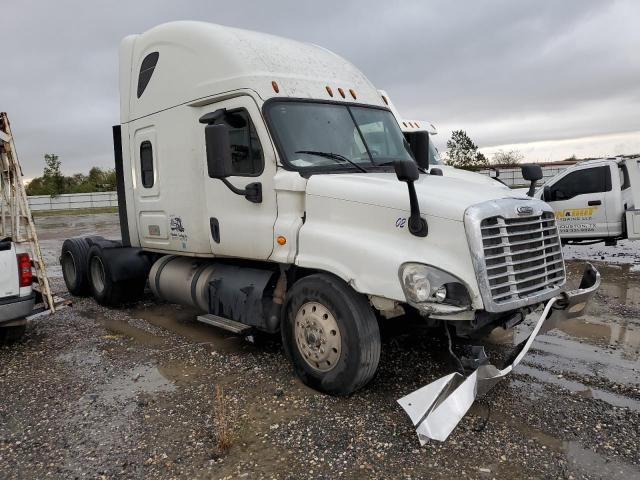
(266, 183)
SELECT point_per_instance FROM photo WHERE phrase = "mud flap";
(438, 407)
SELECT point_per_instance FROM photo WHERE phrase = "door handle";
(592, 203)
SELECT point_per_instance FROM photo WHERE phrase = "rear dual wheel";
(73, 260)
(330, 334)
(104, 289)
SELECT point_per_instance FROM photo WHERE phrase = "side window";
(146, 70)
(246, 152)
(580, 182)
(146, 164)
(624, 177)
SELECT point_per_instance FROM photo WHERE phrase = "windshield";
(313, 134)
(434, 154)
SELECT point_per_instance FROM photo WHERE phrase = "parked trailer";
(267, 183)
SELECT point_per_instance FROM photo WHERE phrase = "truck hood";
(467, 176)
(446, 196)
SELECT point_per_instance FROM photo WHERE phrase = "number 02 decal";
(400, 223)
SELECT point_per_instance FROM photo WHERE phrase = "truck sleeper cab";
(267, 183)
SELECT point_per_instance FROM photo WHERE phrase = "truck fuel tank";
(240, 293)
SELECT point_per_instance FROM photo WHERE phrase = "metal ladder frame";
(15, 215)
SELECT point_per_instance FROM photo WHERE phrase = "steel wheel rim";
(97, 274)
(69, 267)
(317, 336)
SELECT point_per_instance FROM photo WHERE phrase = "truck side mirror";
(407, 171)
(218, 150)
(532, 173)
(419, 145)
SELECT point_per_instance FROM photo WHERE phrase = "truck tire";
(330, 335)
(103, 289)
(73, 260)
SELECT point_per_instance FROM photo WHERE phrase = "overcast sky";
(549, 78)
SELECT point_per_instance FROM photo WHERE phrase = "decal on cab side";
(576, 219)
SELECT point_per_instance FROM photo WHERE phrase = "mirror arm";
(252, 192)
(532, 188)
(417, 224)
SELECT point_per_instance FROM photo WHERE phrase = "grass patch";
(74, 211)
(224, 434)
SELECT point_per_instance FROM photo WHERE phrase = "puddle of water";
(183, 322)
(123, 328)
(585, 461)
(136, 334)
(127, 386)
(579, 388)
(592, 463)
(564, 354)
(82, 357)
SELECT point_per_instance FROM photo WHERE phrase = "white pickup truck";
(267, 183)
(596, 200)
(17, 297)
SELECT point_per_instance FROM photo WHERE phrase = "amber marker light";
(281, 240)
(384, 99)
(353, 93)
(329, 91)
(341, 92)
(274, 84)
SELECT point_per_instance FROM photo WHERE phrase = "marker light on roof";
(275, 86)
(386, 102)
(353, 93)
(341, 92)
(329, 91)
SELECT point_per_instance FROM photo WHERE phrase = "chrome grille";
(523, 256)
(518, 259)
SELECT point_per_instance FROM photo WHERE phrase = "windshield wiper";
(333, 156)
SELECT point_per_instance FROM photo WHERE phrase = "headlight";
(424, 283)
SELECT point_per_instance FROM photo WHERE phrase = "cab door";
(239, 227)
(579, 200)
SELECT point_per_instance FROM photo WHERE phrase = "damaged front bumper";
(438, 407)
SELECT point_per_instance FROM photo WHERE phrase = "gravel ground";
(104, 393)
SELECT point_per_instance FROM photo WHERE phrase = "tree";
(463, 153)
(52, 177)
(510, 158)
(53, 182)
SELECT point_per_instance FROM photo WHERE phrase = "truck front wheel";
(330, 334)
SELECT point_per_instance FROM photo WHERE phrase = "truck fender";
(125, 263)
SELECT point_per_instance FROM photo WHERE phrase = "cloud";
(506, 72)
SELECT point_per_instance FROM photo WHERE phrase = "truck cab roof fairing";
(200, 60)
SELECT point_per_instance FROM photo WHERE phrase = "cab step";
(224, 323)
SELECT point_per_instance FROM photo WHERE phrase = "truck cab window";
(580, 182)
(146, 164)
(146, 70)
(246, 152)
